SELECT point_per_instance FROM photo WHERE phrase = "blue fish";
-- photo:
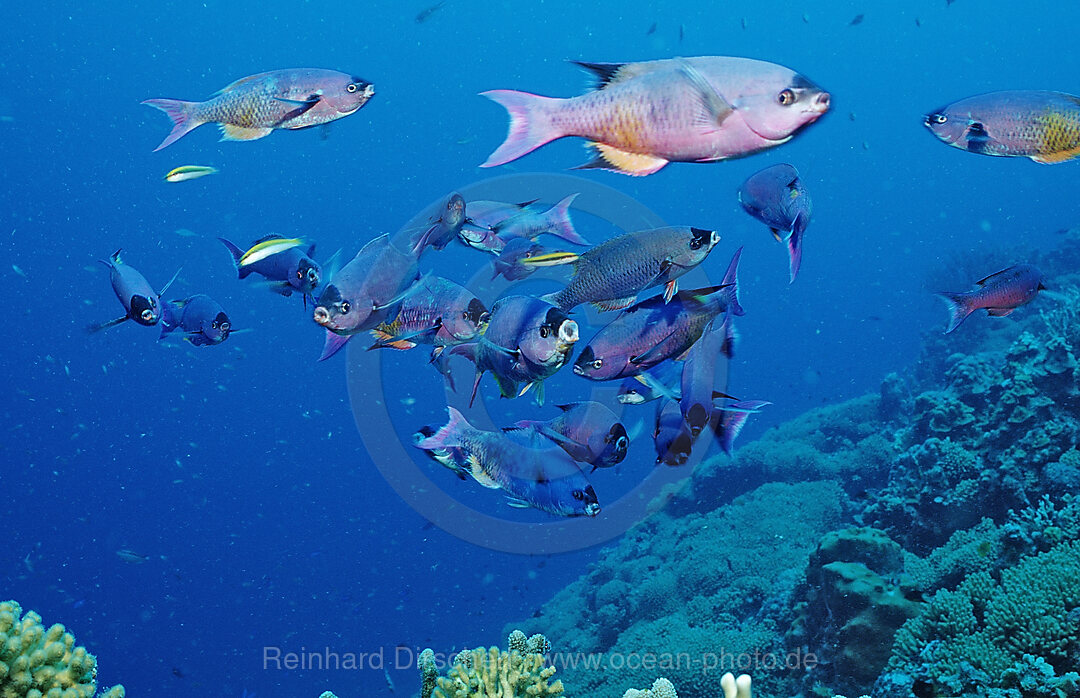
(776, 197)
(202, 320)
(141, 302)
(588, 431)
(543, 478)
(286, 267)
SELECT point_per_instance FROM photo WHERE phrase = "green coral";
(518, 672)
(992, 624)
(36, 662)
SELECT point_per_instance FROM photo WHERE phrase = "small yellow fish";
(186, 172)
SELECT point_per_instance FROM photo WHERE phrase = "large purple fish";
(652, 331)
(1036, 124)
(365, 292)
(644, 115)
(612, 274)
(252, 107)
(701, 371)
(526, 341)
(141, 302)
(201, 319)
(776, 197)
(1000, 294)
(544, 478)
(286, 265)
(588, 431)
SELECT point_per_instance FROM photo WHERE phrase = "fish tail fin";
(237, 255)
(182, 115)
(447, 436)
(794, 246)
(959, 308)
(731, 281)
(333, 344)
(732, 419)
(530, 126)
(558, 220)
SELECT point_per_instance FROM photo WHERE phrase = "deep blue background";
(237, 468)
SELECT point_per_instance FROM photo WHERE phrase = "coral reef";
(36, 662)
(493, 673)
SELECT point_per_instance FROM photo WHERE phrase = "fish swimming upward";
(644, 115)
(1036, 124)
(252, 107)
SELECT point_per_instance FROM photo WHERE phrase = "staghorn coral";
(36, 662)
(492, 673)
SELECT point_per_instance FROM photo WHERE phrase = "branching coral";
(519, 672)
(37, 663)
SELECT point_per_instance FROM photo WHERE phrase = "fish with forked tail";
(999, 294)
(252, 107)
(285, 263)
(200, 318)
(644, 115)
(588, 431)
(543, 478)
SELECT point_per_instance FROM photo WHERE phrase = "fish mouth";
(578, 370)
(321, 316)
(592, 509)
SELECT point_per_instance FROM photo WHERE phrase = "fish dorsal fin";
(608, 157)
(239, 133)
(718, 107)
(608, 74)
(237, 83)
(982, 282)
(267, 238)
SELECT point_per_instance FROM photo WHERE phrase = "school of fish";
(664, 344)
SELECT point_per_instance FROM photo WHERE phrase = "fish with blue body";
(644, 115)
(728, 421)
(437, 311)
(200, 318)
(653, 331)
(702, 370)
(590, 432)
(543, 478)
(445, 228)
(776, 197)
(528, 220)
(527, 340)
(365, 292)
(512, 261)
(999, 294)
(252, 107)
(671, 437)
(141, 302)
(1037, 124)
(285, 263)
(611, 275)
(661, 381)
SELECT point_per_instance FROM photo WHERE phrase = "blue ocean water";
(238, 469)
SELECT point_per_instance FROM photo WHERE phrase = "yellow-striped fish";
(186, 172)
(267, 248)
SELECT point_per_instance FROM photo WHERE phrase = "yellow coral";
(40, 663)
(493, 673)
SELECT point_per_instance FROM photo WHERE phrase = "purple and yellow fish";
(644, 115)
(1036, 124)
(1000, 294)
(252, 107)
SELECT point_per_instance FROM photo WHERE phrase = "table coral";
(37, 662)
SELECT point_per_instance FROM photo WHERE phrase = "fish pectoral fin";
(106, 325)
(512, 353)
(982, 281)
(717, 107)
(615, 303)
(300, 107)
(999, 312)
(648, 355)
(634, 164)
(518, 503)
(670, 289)
(776, 234)
(240, 133)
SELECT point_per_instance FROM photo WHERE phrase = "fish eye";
(544, 331)
(345, 307)
(147, 314)
(352, 87)
(695, 244)
(214, 325)
(225, 327)
(786, 98)
(597, 363)
(622, 443)
(938, 118)
(579, 495)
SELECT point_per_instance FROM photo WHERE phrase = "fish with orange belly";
(252, 107)
(644, 115)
